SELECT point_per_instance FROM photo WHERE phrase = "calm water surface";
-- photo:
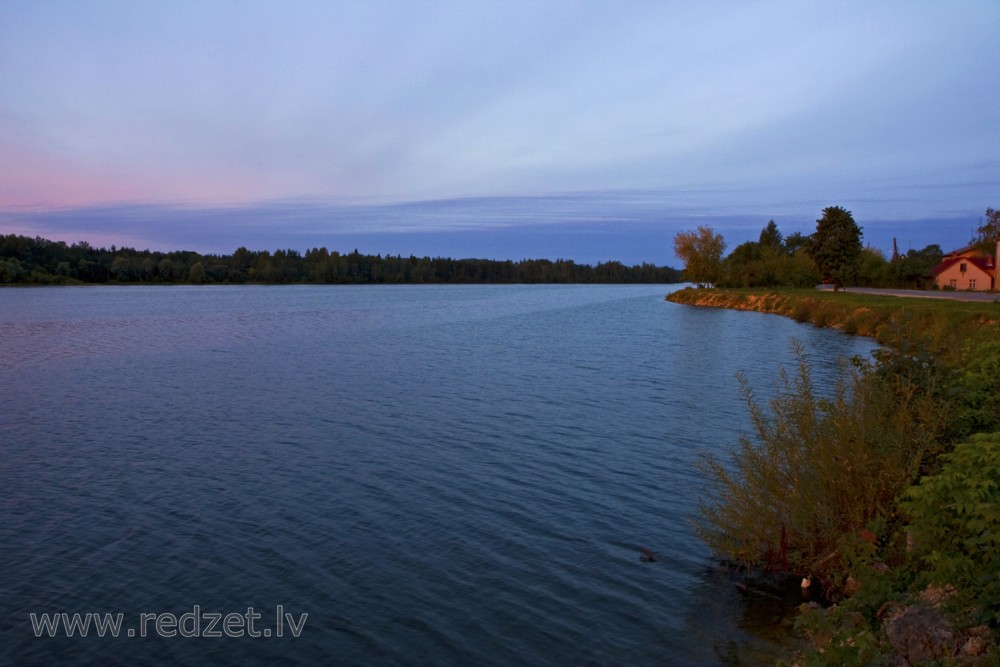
(441, 475)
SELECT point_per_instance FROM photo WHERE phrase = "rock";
(936, 596)
(890, 611)
(974, 646)
(976, 640)
(920, 634)
(893, 660)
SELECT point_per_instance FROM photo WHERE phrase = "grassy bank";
(883, 490)
(944, 326)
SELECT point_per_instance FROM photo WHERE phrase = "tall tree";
(701, 252)
(913, 269)
(989, 231)
(795, 242)
(835, 247)
(770, 237)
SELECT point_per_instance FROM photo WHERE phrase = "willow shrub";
(821, 471)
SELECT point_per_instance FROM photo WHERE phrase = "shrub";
(978, 388)
(837, 637)
(956, 523)
(820, 470)
(803, 311)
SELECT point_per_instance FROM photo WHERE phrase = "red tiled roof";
(967, 250)
(985, 264)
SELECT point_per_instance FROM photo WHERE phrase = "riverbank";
(941, 324)
(913, 566)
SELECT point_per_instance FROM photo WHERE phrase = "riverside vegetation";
(834, 253)
(883, 490)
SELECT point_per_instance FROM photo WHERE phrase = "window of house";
(953, 282)
(962, 267)
(972, 283)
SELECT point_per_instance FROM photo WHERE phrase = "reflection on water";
(436, 475)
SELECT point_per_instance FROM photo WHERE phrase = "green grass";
(942, 325)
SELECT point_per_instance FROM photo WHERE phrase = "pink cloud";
(35, 177)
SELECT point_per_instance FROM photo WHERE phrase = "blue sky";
(582, 130)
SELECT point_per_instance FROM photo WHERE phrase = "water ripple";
(438, 476)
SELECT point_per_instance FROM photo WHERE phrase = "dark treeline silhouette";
(38, 261)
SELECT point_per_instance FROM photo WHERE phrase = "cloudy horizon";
(580, 130)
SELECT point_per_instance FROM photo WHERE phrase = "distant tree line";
(38, 261)
(834, 254)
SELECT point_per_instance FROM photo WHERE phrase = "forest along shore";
(38, 261)
(895, 480)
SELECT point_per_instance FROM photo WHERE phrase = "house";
(968, 269)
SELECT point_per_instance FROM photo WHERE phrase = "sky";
(587, 130)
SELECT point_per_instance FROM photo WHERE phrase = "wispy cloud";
(194, 124)
(632, 226)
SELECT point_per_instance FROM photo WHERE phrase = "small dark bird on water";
(646, 556)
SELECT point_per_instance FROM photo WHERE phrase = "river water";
(433, 475)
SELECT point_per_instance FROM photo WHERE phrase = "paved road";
(988, 297)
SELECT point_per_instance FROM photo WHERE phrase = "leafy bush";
(956, 523)
(837, 636)
(820, 470)
(978, 387)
